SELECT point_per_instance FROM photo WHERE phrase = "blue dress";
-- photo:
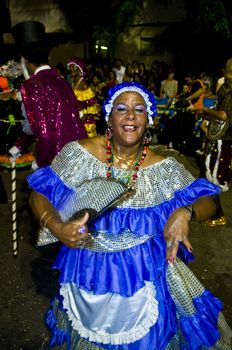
(119, 292)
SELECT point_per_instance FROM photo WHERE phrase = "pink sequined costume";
(53, 114)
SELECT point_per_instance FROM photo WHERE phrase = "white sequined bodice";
(156, 183)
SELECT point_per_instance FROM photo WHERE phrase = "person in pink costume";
(51, 108)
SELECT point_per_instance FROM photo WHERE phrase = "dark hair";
(112, 71)
(97, 75)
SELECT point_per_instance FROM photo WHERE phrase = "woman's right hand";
(176, 230)
(72, 233)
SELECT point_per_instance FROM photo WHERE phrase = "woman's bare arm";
(69, 233)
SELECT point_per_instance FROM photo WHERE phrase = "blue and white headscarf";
(118, 89)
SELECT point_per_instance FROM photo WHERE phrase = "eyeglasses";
(124, 109)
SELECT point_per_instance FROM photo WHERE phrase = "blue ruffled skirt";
(131, 298)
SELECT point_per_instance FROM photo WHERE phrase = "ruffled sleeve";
(45, 181)
(59, 181)
(199, 188)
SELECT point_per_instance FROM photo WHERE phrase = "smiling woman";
(124, 280)
(129, 122)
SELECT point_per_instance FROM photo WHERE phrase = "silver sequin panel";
(104, 242)
(155, 184)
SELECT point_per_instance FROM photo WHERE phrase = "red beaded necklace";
(132, 177)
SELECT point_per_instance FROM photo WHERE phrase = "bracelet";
(46, 221)
(41, 221)
(190, 211)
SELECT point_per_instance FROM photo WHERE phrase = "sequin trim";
(104, 242)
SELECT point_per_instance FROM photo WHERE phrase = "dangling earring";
(109, 132)
(147, 137)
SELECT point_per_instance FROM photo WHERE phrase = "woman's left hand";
(176, 230)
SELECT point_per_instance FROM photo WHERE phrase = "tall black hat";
(31, 40)
(28, 32)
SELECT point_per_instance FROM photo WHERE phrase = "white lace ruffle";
(110, 327)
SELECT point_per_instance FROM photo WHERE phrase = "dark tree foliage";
(100, 22)
(112, 16)
(204, 38)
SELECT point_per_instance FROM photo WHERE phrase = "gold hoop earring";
(109, 132)
(147, 137)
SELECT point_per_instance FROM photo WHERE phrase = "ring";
(82, 229)
(169, 244)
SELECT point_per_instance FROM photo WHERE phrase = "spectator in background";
(119, 69)
(195, 99)
(143, 74)
(98, 85)
(207, 80)
(111, 79)
(151, 84)
(169, 87)
(129, 73)
(50, 108)
(135, 65)
(196, 92)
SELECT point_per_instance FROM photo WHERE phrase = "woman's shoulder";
(153, 157)
(95, 146)
(89, 142)
(77, 158)
(158, 155)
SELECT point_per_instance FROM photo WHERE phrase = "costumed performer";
(127, 285)
(218, 155)
(49, 107)
(84, 93)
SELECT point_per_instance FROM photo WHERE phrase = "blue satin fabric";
(208, 102)
(140, 221)
(152, 219)
(121, 272)
(201, 329)
(82, 266)
(184, 254)
(46, 181)
(58, 336)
